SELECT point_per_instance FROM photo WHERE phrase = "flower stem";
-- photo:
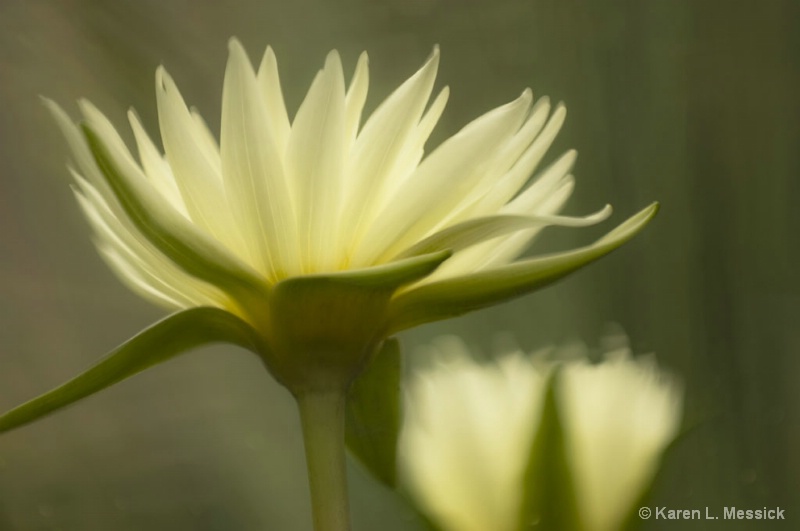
(322, 417)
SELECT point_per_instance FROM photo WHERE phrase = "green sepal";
(549, 500)
(178, 238)
(163, 340)
(456, 296)
(323, 329)
(374, 413)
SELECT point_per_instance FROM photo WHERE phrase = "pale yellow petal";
(514, 179)
(195, 167)
(315, 161)
(383, 140)
(254, 176)
(506, 250)
(82, 156)
(153, 267)
(270, 84)
(133, 280)
(355, 98)
(441, 182)
(155, 167)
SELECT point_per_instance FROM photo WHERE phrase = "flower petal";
(135, 260)
(470, 232)
(196, 168)
(175, 236)
(155, 167)
(355, 98)
(441, 182)
(254, 176)
(456, 296)
(137, 280)
(474, 204)
(380, 144)
(81, 154)
(502, 250)
(508, 185)
(315, 160)
(546, 196)
(507, 249)
(270, 84)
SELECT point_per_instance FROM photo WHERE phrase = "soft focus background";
(691, 102)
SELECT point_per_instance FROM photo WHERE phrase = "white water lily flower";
(619, 416)
(283, 221)
(467, 438)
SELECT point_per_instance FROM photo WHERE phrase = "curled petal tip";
(524, 100)
(603, 214)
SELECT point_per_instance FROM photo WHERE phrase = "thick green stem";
(322, 417)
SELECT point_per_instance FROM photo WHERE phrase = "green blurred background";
(691, 102)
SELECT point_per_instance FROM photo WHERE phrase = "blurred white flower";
(469, 427)
(619, 416)
(467, 434)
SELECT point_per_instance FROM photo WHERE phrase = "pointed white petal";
(508, 186)
(410, 157)
(315, 159)
(254, 176)
(381, 144)
(208, 142)
(509, 249)
(270, 85)
(195, 166)
(432, 115)
(152, 266)
(540, 190)
(477, 230)
(181, 241)
(80, 150)
(478, 201)
(136, 282)
(356, 96)
(155, 167)
(441, 182)
(413, 151)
